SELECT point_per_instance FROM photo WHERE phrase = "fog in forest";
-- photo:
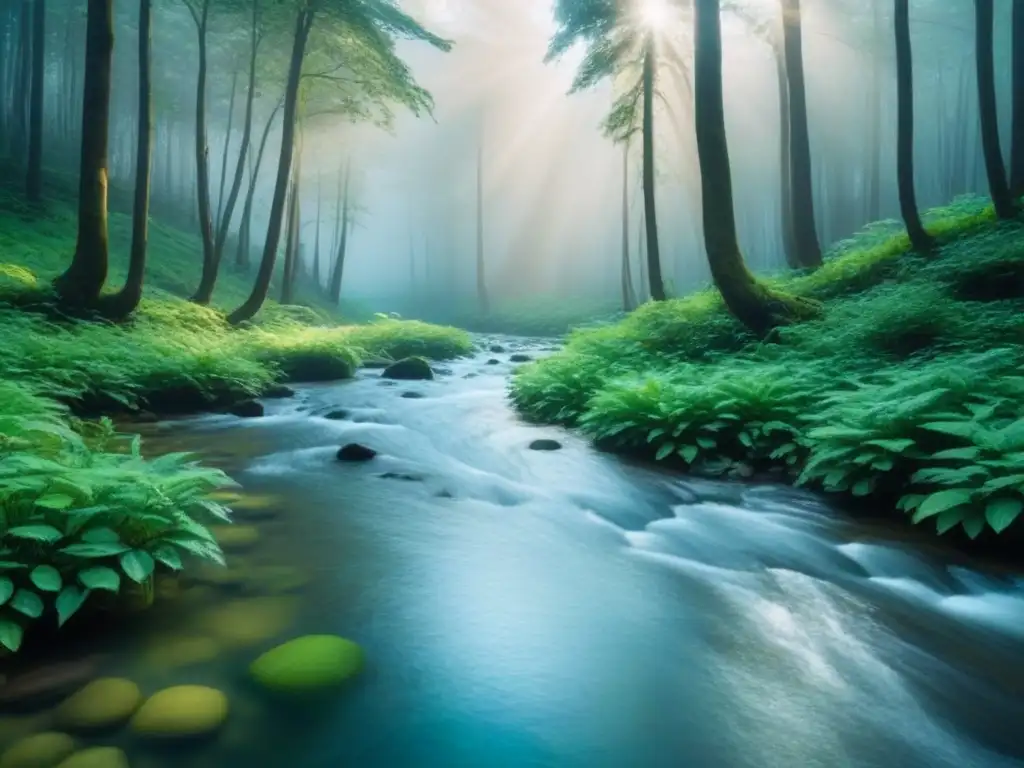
(551, 202)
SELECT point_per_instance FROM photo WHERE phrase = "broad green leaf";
(654, 434)
(27, 602)
(964, 429)
(168, 556)
(55, 501)
(95, 550)
(44, 533)
(966, 454)
(999, 483)
(47, 578)
(974, 525)
(706, 443)
(894, 446)
(10, 635)
(941, 501)
(863, 487)
(910, 501)
(6, 589)
(100, 577)
(68, 602)
(1000, 513)
(137, 565)
(949, 518)
(664, 450)
(689, 453)
(100, 536)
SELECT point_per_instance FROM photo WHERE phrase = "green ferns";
(880, 397)
(78, 516)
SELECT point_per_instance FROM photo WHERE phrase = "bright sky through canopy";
(655, 14)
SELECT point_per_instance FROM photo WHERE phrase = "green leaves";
(100, 577)
(137, 565)
(10, 635)
(1001, 512)
(43, 533)
(68, 602)
(942, 501)
(46, 578)
(28, 603)
(6, 589)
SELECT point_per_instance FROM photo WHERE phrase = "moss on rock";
(183, 711)
(103, 703)
(41, 750)
(409, 369)
(97, 757)
(307, 664)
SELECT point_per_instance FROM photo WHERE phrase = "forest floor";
(907, 391)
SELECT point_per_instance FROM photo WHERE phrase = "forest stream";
(563, 609)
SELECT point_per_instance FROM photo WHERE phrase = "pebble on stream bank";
(355, 452)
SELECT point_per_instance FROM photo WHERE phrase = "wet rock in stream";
(409, 369)
(247, 409)
(545, 444)
(355, 452)
(519, 357)
(40, 749)
(104, 703)
(413, 395)
(184, 711)
(276, 391)
(339, 414)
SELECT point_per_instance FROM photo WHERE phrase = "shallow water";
(565, 610)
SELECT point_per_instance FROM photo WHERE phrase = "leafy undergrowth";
(84, 516)
(909, 389)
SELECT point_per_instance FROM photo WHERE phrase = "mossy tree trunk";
(34, 177)
(805, 234)
(1017, 129)
(303, 23)
(751, 302)
(999, 187)
(657, 283)
(127, 299)
(82, 282)
(339, 261)
(204, 292)
(919, 238)
(291, 237)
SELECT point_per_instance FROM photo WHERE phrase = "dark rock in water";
(470, 375)
(493, 361)
(545, 444)
(337, 415)
(444, 495)
(46, 685)
(355, 452)
(497, 348)
(279, 391)
(387, 383)
(519, 357)
(412, 395)
(401, 476)
(247, 409)
(409, 369)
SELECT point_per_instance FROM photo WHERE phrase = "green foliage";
(78, 510)
(881, 396)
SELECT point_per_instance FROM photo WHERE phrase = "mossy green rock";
(97, 757)
(409, 369)
(181, 712)
(306, 664)
(41, 750)
(103, 703)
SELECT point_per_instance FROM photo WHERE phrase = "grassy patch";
(908, 387)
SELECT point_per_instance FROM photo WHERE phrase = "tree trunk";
(785, 175)
(226, 150)
(628, 296)
(1017, 129)
(291, 238)
(998, 185)
(34, 180)
(919, 238)
(483, 302)
(82, 282)
(204, 292)
(808, 250)
(875, 119)
(242, 255)
(303, 23)
(657, 285)
(750, 302)
(339, 261)
(21, 91)
(316, 241)
(127, 299)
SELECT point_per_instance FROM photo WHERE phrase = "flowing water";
(530, 609)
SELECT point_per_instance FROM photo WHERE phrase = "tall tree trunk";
(303, 23)
(339, 261)
(483, 302)
(919, 238)
(226, 151)
(127, 299)
(657, 285)
(750, 301)
(82, 282)
(291, 240)
(5, 47)
(204, 292)
(21, 93)
(785, 162)
(875, 118)
(242, 254)
(1017, 129)
(316, 241)
(999, 187)
(808, 249)
(628, 296)
(34, 180)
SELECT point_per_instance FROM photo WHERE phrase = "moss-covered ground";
(908, 390)
(82, 512)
